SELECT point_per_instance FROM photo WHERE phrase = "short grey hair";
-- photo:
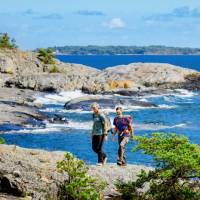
(95, 105)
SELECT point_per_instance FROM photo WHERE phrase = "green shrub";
(6, 42)
(54, 69)
(177, 172)
(46, 56)
(2, 141)
(79, 185)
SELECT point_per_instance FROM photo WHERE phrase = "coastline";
(23, 76)
(17, 107)
(34, 171)
(65, 54)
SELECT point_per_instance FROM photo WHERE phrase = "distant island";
(125, 50)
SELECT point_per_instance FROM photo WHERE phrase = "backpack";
(108, 122)
(124, 120)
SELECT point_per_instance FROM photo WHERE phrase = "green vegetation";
(6, 42)
(2, 141)
(54, 69)
(79, 185)
(177, 175)
(46, 56)
(125, 50)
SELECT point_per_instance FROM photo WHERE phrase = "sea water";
(177, 112)
(103, 61)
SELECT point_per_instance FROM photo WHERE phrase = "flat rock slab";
(16, 106)
(112, 172)
(33, 172)
(105, 102)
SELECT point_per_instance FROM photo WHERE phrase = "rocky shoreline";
(32, 173)
(23, 76)
(25, 71)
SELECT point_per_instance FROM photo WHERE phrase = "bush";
(79, 185)
(5, 41)
(54, 69)
(126, 85)
(177, 173)
(46, 56)
(113, 84)
(2, 141)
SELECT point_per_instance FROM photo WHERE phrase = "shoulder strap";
(124, 120)
(117, 120)
(100, 116)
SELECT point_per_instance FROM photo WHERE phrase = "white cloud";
(115, 23)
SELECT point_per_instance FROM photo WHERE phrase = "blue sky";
(43, 23)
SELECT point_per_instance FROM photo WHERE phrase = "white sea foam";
(87, 125)
(61, 97)
(78, 111)
(51, 109)
(127, 108)
(151, 126)
(80, 125)
(182, 93)
(36, 131)
(180, 125)
(165, 106)
(157, 127)
(143, 99)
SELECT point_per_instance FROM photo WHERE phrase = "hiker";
(99, 133)
(123, 126)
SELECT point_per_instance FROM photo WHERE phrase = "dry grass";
(9, 70)
(115, 84)
(54, 69)
(193, 76)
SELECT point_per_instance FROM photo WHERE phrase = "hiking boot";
(99, 164)
(119, 163)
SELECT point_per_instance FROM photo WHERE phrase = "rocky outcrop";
(18, 109)
(139, 77)
(25, 70)
(192, 81)
(84, 103)
(14, 61)
(32, 173)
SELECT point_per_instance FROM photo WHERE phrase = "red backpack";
(124, 120)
